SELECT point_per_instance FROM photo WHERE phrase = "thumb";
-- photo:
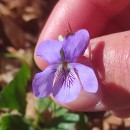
(111, 62)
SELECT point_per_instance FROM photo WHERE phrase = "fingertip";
(80, 14)
(84, 102)
(73, 12)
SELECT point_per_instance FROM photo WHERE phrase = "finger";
(119, 22)
(92, 15)
(81, 14)
(111, 62)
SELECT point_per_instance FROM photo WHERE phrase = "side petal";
(87, 77)
(49, 50)
(66, 87)
(75, 44)
(42, 83)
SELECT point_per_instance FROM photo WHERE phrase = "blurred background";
(20, 24)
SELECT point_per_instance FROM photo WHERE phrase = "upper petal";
(42, 83)
(49, 50)
(87, 77)
(66, 86)
(75, 44)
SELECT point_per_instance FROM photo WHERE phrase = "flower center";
(65, 75)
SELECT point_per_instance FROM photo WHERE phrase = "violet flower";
(64, 78)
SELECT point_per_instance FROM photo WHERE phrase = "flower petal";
(49, 50)
(66, 86)
(42, 83)
(87, 77)
(75, 44)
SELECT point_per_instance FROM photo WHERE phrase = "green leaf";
(61, 111)
(65, 122)
(57, 110)
(71, 117)
(13, 96)
(82, 124)
(15, 122)
(43, 104)
(9, 55)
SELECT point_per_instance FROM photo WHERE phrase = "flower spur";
(64, 78)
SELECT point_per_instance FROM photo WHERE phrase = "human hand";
(110, 53)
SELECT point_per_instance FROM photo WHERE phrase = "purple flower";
(64, 78)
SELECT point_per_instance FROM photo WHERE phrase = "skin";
(108, 23)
